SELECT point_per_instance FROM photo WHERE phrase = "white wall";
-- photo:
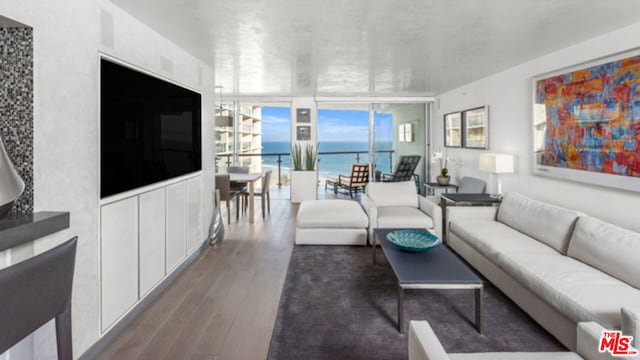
(67, 41)
(509, 97)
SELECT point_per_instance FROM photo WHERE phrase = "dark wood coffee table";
(438, 268)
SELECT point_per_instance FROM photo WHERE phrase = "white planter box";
(304, 186)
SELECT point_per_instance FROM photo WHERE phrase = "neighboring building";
(249, 137)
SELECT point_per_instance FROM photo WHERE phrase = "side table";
(464, 200)
(430, 187)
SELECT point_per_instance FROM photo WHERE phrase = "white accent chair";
(424, 345)
(398, 205)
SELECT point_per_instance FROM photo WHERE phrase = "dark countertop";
(18, 229)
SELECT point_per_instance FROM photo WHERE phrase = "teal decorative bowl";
(413, 240)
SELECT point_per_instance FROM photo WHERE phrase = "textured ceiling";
(372, 47)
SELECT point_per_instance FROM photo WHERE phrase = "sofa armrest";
(423, 343)
(372, 213)
(434, 211)
(457, 213)
(588, 342)
(631, 323)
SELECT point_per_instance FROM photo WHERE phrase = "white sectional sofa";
(559, 265)
(424, 345)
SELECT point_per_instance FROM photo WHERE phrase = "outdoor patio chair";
(353, 183)
(405, 170)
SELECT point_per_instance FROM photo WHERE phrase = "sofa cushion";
(490, 238)
(607, 247)
(401, 193)
(575, 289)
(544, 222)
(403, 217)
(331, 214)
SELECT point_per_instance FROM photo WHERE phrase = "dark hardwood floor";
(224, 305)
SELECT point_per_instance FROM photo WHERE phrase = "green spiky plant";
(311, 154)
(296, 157)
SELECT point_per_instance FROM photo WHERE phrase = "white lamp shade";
(496, 163)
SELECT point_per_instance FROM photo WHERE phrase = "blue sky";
(333, 125)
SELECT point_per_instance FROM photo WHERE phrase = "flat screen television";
(150, 129)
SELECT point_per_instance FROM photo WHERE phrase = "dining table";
(249, 179)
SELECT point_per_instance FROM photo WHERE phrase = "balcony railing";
(282, 157)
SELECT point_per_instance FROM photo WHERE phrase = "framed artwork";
(453, 129)
(475, 125)
(405, 132)
(303, 115)
(586, 122)
(303, 133)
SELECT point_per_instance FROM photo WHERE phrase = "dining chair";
(223, 185)
(238, 170)
(35, 291)
(262, 192)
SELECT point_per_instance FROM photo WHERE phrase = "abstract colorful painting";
(589, 119)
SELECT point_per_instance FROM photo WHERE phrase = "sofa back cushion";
(544, 222)
(608, 248)
(402, 193)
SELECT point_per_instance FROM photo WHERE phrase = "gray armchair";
(471, 185)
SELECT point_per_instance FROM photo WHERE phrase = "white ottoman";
(331, 222)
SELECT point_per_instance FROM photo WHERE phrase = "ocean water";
(329, 165)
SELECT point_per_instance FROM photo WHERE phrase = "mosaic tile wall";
(16, 106)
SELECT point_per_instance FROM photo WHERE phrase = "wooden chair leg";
(237, 207)
(228, 212)
(262, 199)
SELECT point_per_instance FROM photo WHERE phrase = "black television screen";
(150, 129)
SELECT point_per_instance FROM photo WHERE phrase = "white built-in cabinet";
(143, 238)
(119, 251)
(194, 214)
(152, 235)
(176, 224)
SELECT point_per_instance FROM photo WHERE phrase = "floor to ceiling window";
(370, 133)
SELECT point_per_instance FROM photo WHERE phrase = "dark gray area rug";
(337, 305)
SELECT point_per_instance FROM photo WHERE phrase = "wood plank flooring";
(224, 305)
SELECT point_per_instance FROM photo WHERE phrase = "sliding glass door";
(399, 130)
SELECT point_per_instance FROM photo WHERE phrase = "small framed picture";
(405, 132)
(303, 115)
(453, 129)
(476, 128)
(303, 133)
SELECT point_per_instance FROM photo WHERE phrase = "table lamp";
(496, 164)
